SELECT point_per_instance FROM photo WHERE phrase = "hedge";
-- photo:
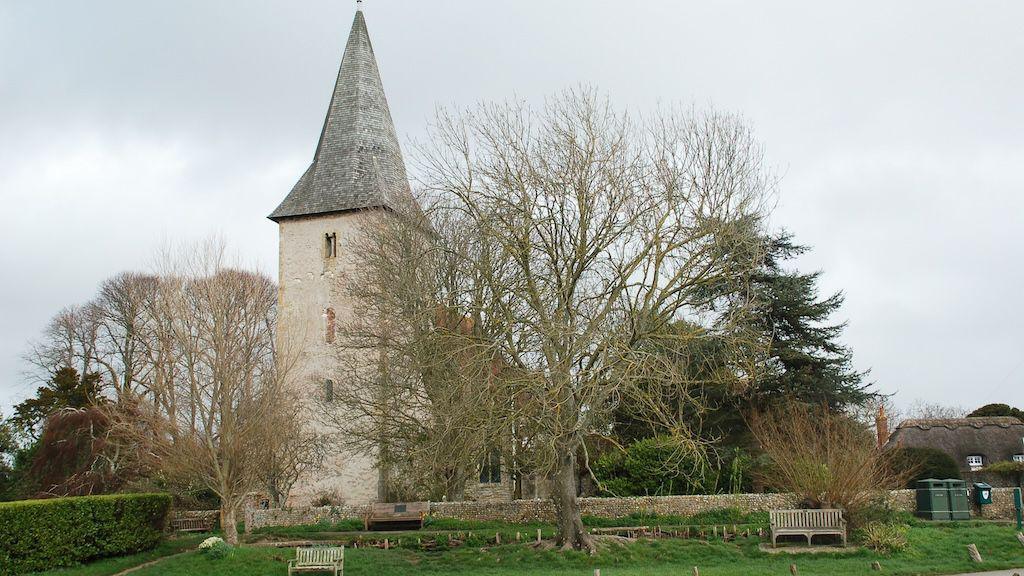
(44, 534)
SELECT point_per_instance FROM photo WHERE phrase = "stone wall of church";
(523, 511)
(311, 284)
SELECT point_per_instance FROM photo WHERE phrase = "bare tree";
(123, 310)
(293, 450)
(69, 340)
(521, 301)
(229, 383)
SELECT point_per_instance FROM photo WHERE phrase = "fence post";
(973, 551)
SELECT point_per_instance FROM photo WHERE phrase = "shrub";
(651, 467)
(884, 537)
(920, 463)
(825, 459)
(215, 548)
(43, 534)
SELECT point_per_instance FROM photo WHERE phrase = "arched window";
(328, 390)
(329, 330)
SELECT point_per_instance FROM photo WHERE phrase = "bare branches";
(538, 286)
(827, 459)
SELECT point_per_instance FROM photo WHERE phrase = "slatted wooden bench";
(807, 523)
(401, 516)
(192, 524)
(318, 559)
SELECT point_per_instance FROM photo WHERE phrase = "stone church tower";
(357, 169)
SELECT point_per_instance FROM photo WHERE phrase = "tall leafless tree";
(553, 246)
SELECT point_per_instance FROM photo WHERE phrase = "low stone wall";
(1001, 507)
(522, 511)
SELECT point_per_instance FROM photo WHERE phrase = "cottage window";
(490, 468)
(331, 245)
(1018, 457)
(975, 462)
(328, 390)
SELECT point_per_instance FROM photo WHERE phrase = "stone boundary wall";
(205, 514)
(522, 511)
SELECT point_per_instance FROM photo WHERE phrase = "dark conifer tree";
(806, 361)
(64, 390)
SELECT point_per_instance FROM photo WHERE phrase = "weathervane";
(359, 4)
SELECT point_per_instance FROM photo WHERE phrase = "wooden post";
(597, 572)
(497, 538)
(973, 551)
(876, 566)
(519, 537)
(538, 535)
(793, 570)
(387, 544)
(1020, 538)
(695, 571)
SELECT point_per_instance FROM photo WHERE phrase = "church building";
(357, 170)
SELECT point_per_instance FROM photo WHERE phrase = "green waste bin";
(959, 501)
(932, 499)
(982, 493)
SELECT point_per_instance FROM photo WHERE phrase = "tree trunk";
(229, 524)
(571, 532)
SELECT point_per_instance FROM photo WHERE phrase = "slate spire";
(358, 162)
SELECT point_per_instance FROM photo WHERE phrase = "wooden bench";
(318, 559)
(400, 516)
(807, 523)
(192, 524)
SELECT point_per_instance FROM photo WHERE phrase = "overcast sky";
(898, 128)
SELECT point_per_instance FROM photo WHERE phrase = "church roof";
(358, 162)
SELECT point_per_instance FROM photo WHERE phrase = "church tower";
(357, 169)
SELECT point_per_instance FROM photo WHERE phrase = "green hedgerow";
(42, 534)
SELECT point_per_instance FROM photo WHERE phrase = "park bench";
(807, 523)
(401, 516)
(318, 559)
(192, 524)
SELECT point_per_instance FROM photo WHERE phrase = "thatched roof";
(994, 438)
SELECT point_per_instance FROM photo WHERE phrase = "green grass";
(934, 549)
(108, 566)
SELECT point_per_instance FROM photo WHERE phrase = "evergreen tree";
(805, 360)
(999, 410)
(64, 390)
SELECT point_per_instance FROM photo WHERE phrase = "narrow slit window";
(328, 390)
(331, 245)
(329, 328)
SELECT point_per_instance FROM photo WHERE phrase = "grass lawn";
(934, 549)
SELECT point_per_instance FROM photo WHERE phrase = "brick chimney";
(882, 426)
